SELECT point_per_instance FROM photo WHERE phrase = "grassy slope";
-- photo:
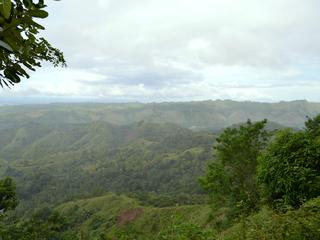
(101, 215)
(90, 218)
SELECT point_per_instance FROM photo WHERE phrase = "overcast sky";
(180, 50)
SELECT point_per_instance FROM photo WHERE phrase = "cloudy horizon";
(174, 50)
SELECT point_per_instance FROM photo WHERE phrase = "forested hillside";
(80, 175)
(213, 115)
(60, 151)
(55, 163)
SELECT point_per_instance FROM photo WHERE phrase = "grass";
(95, 216)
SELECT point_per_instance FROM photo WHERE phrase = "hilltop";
(213, 115)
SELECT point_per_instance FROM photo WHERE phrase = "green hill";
(115, 215)
(130, 171)
(193, 115)
(57, 152)
(119, 217)
(56, 163)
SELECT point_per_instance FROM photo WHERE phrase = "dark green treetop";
(8, 198)
(312, 126)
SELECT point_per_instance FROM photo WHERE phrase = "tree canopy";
(289, 171)
(8, 198)
(21, 47)
(230, 178)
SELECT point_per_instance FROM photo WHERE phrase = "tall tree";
(21, 47)
(230, 178)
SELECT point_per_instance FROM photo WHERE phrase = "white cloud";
(182, 49)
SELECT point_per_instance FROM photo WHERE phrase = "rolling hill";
(54, 163)
(213, 115)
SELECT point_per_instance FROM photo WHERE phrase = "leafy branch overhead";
(21, 48)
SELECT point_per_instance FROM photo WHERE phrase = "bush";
(303, 223)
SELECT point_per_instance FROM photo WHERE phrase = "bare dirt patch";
(128, 216)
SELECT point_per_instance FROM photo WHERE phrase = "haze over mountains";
(213, 115)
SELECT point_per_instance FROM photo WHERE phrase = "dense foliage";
(21, 47)
(285, 174)
(230, 179)
(44, 224)
(8, 197)
(159, 163)
(289, 170)
(303, 223)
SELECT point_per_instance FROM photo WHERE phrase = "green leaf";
(38, 13)
(5, 8)
(37, 25)
(12, 43)
(20, 71)
(5, 46)
(10, 74)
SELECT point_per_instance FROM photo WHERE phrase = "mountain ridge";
(202, 115)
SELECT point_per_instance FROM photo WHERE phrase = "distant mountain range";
(201, 115)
